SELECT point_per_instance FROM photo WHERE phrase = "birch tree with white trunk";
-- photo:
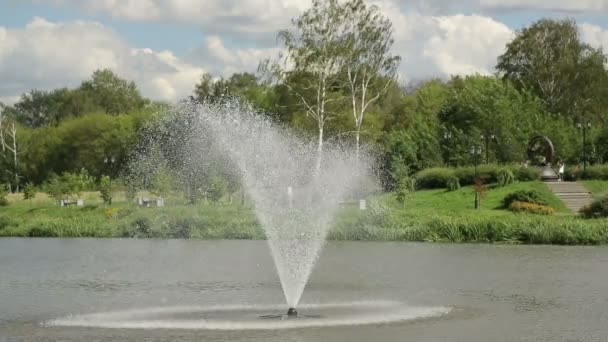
(313, 59)
(370, 66)
(8, 140)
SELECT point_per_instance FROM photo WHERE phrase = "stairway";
(573, 194)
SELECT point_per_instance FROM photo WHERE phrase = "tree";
(550, 59)
(8, 140)
(29, 191)
(370, 66)
(105, 188)
(113, 94)
(314, 58)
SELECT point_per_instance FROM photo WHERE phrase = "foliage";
(106, 188)
(527, 196)
(526, 174)
(531, 208)
(504, 177)
(68, 184)
(549, 58)
(3, 193)
(453, 183)
(216, 188)
(434, 178)
(161, 183)
(29, 191)
(597, 209)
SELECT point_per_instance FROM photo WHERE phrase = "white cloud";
(47, 55)
(439, 46)
(224, 61)
(552, 5)
(594, 35)
(253, 16)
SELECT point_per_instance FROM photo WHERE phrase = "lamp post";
(110, 161)
(487, 138)
(476, 153)
(584, 126)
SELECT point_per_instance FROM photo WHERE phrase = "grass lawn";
(462, 201)
(597, 187)
(430, 215)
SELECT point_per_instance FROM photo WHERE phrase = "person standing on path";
(561, 171)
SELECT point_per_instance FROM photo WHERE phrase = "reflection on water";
(498, 293)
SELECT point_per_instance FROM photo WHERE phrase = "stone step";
(573, 194)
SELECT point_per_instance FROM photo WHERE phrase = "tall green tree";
(549, 58)
(113, 94)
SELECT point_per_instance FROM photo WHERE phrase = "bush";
(527, 174)
(433, 178)
(528, 196)
(597, 209)
(405, 185)
(216, 188)
(139, 228)
(453, 184)
(3, 193)
(29, 191)
(182, 228)
(105, 188)
(504, 177)
(595, 172)
(532, 208)
(487, 173)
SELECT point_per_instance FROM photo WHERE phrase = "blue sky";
(165, 45)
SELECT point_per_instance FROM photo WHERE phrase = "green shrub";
(433, 178)
(405, 185)
(504, 177)
(453, 184)
(181, 228)
(29, 191)
(216, 188)
(528, 196)
(594, 172)
(3, 193)
(486, 172)
(597, 209)
(105, 188)
(527, 174)
(531, 208)
(139, 228)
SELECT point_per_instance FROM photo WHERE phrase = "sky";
(166, 45)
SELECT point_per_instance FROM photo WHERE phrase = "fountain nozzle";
(292, 312)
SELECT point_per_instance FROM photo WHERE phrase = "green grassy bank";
(432, 215)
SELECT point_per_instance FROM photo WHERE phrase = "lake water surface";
(495, 293)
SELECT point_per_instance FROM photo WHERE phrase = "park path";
(573, 194)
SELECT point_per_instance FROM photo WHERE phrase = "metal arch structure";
(539, 147)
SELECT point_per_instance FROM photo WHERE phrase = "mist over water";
(295, 201)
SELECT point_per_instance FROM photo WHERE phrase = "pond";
(493, 292)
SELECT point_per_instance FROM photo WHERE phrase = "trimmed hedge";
(594, 172)
(442, 177)
(531, 196)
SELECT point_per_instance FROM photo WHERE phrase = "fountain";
(294, 199)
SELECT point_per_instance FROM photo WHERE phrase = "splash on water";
(248, 317)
